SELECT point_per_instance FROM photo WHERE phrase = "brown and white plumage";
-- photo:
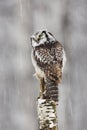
(48, 60)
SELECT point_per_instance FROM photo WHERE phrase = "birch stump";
(47, 114)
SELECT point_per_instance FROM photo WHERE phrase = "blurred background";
(19, 19)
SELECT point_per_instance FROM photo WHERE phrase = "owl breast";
(39, 73)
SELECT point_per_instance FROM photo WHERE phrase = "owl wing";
(50, 61)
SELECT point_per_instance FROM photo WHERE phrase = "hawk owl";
(48, 58)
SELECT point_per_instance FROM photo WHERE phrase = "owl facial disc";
(42, 37)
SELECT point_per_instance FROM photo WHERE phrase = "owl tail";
(51, 91)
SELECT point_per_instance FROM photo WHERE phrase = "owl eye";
(41, 36)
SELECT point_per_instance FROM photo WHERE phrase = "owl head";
(42, 37)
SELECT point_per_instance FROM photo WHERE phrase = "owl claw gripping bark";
(48, 57)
